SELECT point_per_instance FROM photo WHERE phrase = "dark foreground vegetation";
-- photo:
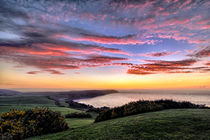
(78, 115)
(17, 125)
(142, 107)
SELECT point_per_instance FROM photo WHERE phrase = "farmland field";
(28, 102)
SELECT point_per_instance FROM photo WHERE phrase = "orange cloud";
(156, 67)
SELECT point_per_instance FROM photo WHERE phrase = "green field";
(173, 124)
(24, 102)
(27, 102)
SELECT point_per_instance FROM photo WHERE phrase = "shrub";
(97, 110)
(23, 124)
(78, 115)
(142, 107)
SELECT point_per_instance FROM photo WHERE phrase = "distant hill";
(71, 95)
(6, 92)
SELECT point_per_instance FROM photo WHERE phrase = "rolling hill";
(173, 124)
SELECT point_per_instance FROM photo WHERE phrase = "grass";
(76, 123)
(7, 108)
(81, 122)
(64, 110)
(24, 102)
(173, 124)
(64, 104)
(27, 102)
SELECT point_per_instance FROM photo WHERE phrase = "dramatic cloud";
(54, 35)
(50, 63)
(155, 67)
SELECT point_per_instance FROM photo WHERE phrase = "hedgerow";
(142, 107)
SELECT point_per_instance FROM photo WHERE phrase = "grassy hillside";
(192, 124)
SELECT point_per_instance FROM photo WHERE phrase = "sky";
(103, 44)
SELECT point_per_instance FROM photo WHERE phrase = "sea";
(124, 97)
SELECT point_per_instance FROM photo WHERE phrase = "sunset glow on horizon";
(106, 44)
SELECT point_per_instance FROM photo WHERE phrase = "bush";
(142, 107)
(23, 124)
(97, 110)
(78, 115)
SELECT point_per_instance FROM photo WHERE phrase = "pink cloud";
(175, 21)
(103, 40)
(85, 49)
